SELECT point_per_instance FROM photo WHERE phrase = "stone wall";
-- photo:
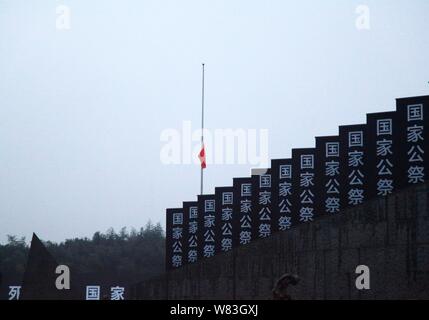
(389, 235)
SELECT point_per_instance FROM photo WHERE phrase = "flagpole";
(202, 131)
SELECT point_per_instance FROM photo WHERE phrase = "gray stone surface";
(389, 235)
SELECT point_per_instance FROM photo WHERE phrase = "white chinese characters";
(14, 292)
(306, 211)
(264, 200)
(285, 197)
(177, 239)
(192, 234)
(415, 141)
(117, 293)
(384, 157)
(209, 219)
(92, 292)
(355, 174)
(226, 219)
(245, 235)
(332, 172)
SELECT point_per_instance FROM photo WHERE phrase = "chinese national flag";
(202, 157)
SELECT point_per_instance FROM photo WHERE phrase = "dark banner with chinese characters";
(208, 243)
(261, 198)
(303, 184)
(190, 231)
(327, 175)
(242, 211)
(383, 154)
(413, 136)
(225, 214)
(174, 239)
(281, 179)
(353, 165)
(365, 161)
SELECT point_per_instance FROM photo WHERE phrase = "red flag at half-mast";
(202, 157)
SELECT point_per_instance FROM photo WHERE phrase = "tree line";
(127, 256)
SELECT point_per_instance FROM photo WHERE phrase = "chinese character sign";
(387, 153)
(242, 208)
(261, 198)
(92, 293)
(281, 174)
(14, 292)
(328, 175)
(174, 238)
(413, 116)
(224, 210)
(117, 293)
(382, 154)
(303, 181)
(191, 232)
(207, 222)
(353, 164)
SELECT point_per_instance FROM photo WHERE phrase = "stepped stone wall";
(389, 235)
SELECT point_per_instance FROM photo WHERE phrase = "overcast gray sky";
(82, 110)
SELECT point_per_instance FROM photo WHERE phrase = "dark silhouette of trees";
(13, 257)
(125, 256)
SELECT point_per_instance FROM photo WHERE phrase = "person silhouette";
(280, 289)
